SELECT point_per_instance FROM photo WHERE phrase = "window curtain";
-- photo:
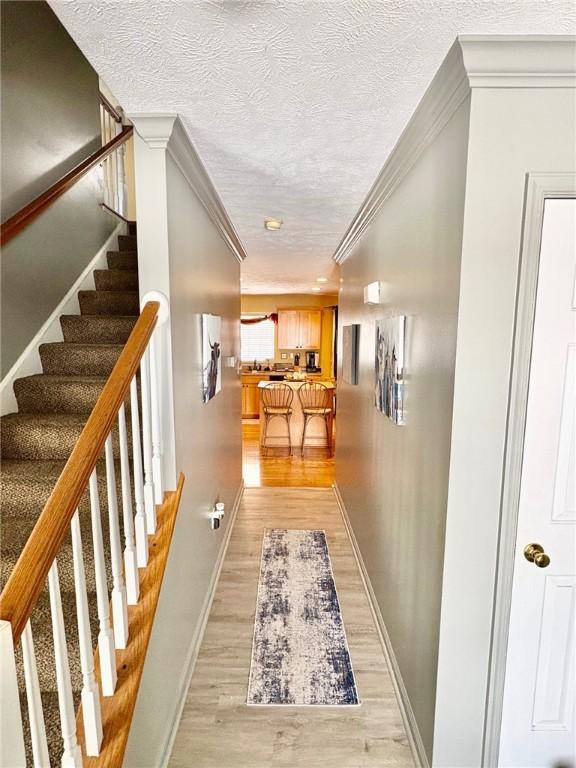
(260, 319)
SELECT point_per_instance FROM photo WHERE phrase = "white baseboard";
(199, 633)
(29, 361)
(414, 737)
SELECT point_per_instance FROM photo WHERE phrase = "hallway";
(217, 729)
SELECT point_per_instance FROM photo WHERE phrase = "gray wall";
(394, 479)
(50, 122)
(50, 112)
(203, 276)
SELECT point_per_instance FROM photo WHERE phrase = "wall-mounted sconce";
(374, 293)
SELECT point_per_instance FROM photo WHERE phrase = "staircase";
(36, 441)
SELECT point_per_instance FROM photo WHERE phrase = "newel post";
(153, 137)
(158, 390)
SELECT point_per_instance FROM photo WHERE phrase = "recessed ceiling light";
(321, 279)
(316, 288)
(272, 225)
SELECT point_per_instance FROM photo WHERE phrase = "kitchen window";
(257, 340)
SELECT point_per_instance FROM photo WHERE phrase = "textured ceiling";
(293, 105)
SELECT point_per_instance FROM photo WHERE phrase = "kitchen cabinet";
(251, 396)
(299, 328)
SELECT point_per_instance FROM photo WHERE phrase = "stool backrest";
(277, 395)
(314, 395)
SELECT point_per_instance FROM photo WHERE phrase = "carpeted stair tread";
(26, 486)
(122, 259)
(109, 302)
(16, 533)
(97, 329)
(46, 435)
(79, 359)
(127, 242)
(116, 279)
(47, 393)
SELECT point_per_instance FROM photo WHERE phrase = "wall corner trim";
(196, 642)
(473, 61)
(412, 730)
(165, 131)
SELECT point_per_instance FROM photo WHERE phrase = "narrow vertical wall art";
(350, 339)
(389, 367)
(211, 356)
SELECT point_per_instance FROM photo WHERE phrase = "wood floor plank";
(218, 729)
(277, 468)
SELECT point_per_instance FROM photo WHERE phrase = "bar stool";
(276, 403)
(315, 401)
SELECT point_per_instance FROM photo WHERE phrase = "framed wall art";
(350, 341)
(211, 356)
(389, 367)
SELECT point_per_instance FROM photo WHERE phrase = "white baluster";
(119, 604)
(71, 756)
(140, 518)
(35, 712)
(156, 432)
(130, 566)
(90, 694)
(149, 495)
(121, 181)
(106, 650)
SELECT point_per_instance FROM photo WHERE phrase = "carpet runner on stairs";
(36, 441)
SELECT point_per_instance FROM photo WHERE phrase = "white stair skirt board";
(29, 361)
(199, 633)
(300, 654)
(410, 724)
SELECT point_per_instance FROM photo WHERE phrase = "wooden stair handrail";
(25, 216)
(119, 216)
(27, 580)
(110, 109)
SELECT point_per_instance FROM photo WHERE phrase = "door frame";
(539, 187)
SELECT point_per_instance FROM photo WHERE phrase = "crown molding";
(473, 61)
(182, 151)
(154, 128)
(447, 91)
(519, 61)
(166, 132)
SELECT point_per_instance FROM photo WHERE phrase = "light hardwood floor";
(278, 468)
(218, 730)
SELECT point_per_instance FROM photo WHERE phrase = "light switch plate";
(283, 356)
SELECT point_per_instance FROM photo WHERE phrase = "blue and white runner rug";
(299, 655)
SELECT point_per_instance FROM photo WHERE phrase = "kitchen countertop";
(296, 384)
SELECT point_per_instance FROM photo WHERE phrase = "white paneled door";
(538, 724)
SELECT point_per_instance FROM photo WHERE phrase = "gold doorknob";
(534, 553)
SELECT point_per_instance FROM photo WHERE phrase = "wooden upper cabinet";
(310, 327)
(299, 328)
(288, 329)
